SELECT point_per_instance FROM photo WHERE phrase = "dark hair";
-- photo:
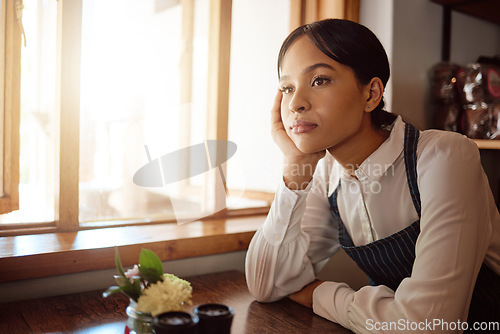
(353, 45)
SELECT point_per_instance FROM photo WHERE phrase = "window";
(137, 99)
(253, 82)
(109, 86)
(35, 113)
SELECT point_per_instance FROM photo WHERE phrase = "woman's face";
(323, 104)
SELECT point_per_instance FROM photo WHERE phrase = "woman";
(413, 209)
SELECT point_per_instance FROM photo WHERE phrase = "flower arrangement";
(147, 285)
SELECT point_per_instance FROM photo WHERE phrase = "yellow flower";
(168, 295)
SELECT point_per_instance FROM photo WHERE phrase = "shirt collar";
(375, 166)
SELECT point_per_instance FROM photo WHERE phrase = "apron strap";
(410, 156)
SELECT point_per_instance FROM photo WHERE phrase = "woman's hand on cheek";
(299, 167)
(305, 296)
(278, 131)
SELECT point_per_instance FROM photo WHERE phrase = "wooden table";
(89, 312)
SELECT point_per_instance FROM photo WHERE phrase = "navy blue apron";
(389, 260)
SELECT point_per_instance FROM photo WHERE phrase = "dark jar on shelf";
(175, 323)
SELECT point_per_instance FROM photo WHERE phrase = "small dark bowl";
(214, 318)
(176, 323)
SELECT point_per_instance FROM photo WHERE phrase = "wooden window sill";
(43, 255)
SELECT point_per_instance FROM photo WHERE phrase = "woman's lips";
(302, 126)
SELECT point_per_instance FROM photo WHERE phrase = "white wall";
(472, 37)
(376, 15)
(416, 48)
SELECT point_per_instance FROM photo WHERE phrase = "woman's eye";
(286, 90)
(320, 81)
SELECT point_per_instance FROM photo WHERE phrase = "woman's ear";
(376, 92)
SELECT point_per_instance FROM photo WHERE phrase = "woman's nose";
(299, 103)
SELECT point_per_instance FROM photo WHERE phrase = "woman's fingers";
(277, 127)
(276, 109)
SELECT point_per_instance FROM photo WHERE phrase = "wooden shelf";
(484, 9)
(486, 144)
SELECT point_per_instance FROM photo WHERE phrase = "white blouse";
(460, 228)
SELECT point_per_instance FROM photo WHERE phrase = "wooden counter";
(89, 312)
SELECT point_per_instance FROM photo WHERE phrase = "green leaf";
(131, 291)
(150, 275)
(122, 281)
(134, 291)
(118, 262)
(150, 262)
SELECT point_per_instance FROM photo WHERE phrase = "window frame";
(10, 75)
(307, 11)
(69, 39)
